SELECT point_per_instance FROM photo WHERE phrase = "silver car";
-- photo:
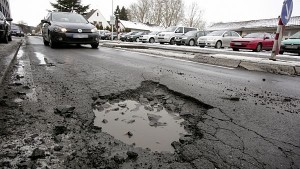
(151, 37)
(218, 39)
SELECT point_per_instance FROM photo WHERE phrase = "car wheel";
(172, 42)
(161, 42)
(191, 42)
(51, 43)
(201, 46)
(46, 43)
(235, 49)
(151, 40)
(9, 38)
(95, 45)
(281, 52)
(258, 47)
(218, 45)
(178, 44)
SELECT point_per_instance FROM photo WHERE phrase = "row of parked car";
(257, 41)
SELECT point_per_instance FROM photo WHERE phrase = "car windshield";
(68, 17)
(255, 35)
(153, 33)
(295, 36)
(216, 33)
(191, 33)
(171, 29)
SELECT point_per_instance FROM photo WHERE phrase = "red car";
(254, 41)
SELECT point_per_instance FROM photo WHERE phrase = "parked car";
(218, 39)
(136, 37)
(108, 36)
(68, 28)
(5, 29)
(102, 34)
(168, 36)
(123, 37)
(151, 37)
(291, 45)
(189, 38)
(254, 41)
(16, 31)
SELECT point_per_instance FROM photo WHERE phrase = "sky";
(32, 11)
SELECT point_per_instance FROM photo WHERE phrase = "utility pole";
(112, 24)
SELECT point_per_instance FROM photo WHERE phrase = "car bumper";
(241, 45)
(144, 39)
(290, 48)
(164, 39)
(180, 41)
(207, 43)
(76, 38)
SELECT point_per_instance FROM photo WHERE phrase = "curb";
(253, 64)
(11, 57)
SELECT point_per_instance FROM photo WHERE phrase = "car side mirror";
(45, 21)
(9, 19)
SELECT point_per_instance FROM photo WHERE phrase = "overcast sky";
(32, 11)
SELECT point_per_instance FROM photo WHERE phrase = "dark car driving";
(68, 28)
(16, 31)
(189, 38)
(5, 34)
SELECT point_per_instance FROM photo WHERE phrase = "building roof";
(140, 26)
(252, 24)
(88, 15)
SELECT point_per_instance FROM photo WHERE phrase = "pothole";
(151, 116)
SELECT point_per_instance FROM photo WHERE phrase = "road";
(232, 118)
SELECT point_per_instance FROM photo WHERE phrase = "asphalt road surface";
(234, 118)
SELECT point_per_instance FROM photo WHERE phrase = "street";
(220, 117)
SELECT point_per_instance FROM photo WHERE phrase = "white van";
(168, 36)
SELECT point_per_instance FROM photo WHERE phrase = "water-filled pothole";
(143, 125)
(151, 116)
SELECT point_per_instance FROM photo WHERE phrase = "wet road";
(254, 122)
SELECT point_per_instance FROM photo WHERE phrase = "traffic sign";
(112, 20)
(286, 11)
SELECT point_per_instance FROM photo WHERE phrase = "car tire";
(218, 45)
(258, 48)
(201, 46)
(161, 42)
(172, 41)
(151, 40)
(46, 43)
(95, 45)
(235, 49)
(191, 42)
(9, 38)
(51, 43)
(281, 52)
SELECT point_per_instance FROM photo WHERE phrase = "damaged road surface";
(74, 107)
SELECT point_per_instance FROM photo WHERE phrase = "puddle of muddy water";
(152, 128)
(41, 58)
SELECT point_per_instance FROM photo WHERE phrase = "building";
(4, 8)
(95, 17)
(137, 26)
(263, 25)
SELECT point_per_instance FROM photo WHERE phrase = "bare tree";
(194, 17)
(160, 12)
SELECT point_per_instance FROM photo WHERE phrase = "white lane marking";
(187, 61)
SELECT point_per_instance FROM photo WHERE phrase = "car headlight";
(94, 30)
(184, 38)
(59, 29)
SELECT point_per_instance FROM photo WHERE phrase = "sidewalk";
(214, 57)
(7, 54)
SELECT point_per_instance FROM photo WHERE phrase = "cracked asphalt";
(247, 119)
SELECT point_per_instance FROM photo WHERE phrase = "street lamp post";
(112, 24)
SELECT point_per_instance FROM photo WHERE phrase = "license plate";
(291, 47)
(80, 36)
(237, 43)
